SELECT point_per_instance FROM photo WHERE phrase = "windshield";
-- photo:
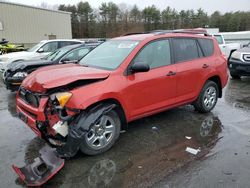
(36, 47)
(109, 55)
(219, 39)
(56, 54)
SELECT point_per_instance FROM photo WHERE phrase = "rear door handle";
(205, 66)
(171, 73)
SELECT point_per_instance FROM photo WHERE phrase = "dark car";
(239, 62)
(18, 71)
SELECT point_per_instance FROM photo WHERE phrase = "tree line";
(111, 20)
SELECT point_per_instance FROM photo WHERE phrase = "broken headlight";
(20, 75)
(62, 98)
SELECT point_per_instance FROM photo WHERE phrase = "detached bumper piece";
(42, 169)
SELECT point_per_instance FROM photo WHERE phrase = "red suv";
(84, 106)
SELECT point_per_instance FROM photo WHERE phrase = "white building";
(242, 37)
(22, 24)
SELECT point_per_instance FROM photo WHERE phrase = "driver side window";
(50, 47)
(76, 54)
(155, 54)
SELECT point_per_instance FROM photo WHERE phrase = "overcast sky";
(208, 5)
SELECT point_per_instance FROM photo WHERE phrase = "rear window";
(207, 46)
(185, 49)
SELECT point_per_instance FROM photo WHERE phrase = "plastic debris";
(140, 167)
(188, 137)
(192, 150)
(155, 129)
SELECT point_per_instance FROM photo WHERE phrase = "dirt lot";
(151, 153)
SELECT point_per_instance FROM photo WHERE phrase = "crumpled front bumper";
(42, 169)
(31, 115)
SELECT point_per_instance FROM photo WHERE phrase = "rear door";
(189, 68)
(150, 91)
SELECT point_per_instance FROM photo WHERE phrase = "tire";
(207, 98)
(234, 76)
(98, 140)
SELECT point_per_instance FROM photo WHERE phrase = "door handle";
(171, 73)
(205, 66)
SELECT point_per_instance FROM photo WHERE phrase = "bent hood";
(60, 75)
(21, 65)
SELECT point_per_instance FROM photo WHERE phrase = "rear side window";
(185, 49)
(207, 46)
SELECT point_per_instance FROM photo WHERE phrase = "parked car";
(84, 106)
(226, 48)
(38, 51)
(18, 71)
(239, 62)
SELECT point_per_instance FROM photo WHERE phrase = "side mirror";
(140, 67)
(40, 50)
(67, 60)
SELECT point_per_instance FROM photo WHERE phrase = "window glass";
(50, 47)
(207, 46)
(185, 49)
(219, 39)
(77, 54)
(36, 47)
(109, 55)
(66, 43)
(57, 54)
(155, 54)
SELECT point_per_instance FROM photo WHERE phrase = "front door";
(153, 90)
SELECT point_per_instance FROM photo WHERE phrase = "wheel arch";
(119, 109)
(217, 80)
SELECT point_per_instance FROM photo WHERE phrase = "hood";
(21, 65)
(15, 55)
(244, 50)
(59, 75)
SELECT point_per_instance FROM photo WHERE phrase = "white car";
(38, 51)
(226, 48)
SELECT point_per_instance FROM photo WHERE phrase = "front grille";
(246, 57)
(29, 97)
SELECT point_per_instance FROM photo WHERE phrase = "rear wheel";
(208, 97)
(102, 136)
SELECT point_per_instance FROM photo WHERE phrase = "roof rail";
(135, 33)
(188, 31)
(162, 32)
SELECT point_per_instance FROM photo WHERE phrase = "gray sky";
(208, 5)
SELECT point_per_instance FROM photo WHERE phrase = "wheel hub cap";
(101, 133)
(210, 97)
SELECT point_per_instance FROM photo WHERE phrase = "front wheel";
(102, 136)
(208, 97)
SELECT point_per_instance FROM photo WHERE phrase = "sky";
(208, 5)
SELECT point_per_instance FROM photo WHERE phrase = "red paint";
(140, 94)
(22, 177)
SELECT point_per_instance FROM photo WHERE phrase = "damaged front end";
(63, 128)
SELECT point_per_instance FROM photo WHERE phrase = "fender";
(81, 104)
